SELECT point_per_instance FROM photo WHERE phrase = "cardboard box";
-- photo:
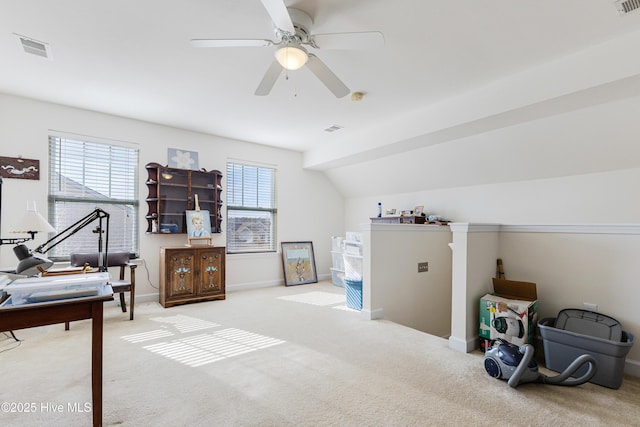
(510, 312)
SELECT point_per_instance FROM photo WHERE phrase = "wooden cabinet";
(173, 191)
(191, 274)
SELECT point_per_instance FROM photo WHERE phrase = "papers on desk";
(40, 289)
(4, 281)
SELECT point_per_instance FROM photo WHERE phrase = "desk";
(61, 311)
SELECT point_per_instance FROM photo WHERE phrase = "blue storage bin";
(353, 290)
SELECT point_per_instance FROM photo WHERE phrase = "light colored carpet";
(280, 356)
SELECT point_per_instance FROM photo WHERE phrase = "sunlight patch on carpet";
(202, 349)
(316, 298)
(147, 336)
(345, 308)
(186, 324)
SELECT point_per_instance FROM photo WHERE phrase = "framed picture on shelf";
(298, 263)
(418, 211)
(198, 224)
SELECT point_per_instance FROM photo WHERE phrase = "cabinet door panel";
(211, 272)
(180, 274)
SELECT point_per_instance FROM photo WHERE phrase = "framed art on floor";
(298, 263)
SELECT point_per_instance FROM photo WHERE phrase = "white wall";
(573, 268)
(600, 198)
(394, 287)
(309, 206)
(577, 167)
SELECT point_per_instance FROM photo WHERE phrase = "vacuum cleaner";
(515, 363)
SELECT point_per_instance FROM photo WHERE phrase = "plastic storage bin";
(337, 277)
(353, 291)
(32, 289)
(336, 243)
(352, 248)
(575, 332)
(353, 236)
(337, 260)
(352, 267)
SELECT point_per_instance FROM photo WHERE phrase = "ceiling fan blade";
(230, 43)
(269, 79)
(279, 14)
(361, 40)
(326, 76)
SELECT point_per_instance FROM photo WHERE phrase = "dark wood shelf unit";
(172, 191)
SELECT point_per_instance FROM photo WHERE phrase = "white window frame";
(87, 174)
(251, 191)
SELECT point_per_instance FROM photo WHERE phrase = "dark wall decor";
(17, 167)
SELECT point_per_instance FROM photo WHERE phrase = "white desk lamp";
(32, 222)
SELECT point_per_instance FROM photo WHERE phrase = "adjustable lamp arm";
(97, 214)
(17, 240)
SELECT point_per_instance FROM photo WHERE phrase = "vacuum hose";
(560, 379)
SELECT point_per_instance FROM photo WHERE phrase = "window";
(86, 175)
(251, 208)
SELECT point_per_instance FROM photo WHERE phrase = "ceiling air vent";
(34, 47)
(333, 128)
(626, 6)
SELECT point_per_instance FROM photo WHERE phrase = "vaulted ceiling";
(134, 59)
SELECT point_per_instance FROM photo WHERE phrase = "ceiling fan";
(292, 38)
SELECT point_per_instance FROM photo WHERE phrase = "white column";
(475, 252)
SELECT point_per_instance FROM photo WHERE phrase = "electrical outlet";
(590, 307)
(423, 266)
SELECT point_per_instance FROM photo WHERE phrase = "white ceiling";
(134, 59)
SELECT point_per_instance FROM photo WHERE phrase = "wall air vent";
(333, 128)
(34, 47)
(626, 6)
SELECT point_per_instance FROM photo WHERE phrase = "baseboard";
(148, 298)
(324, 276)
(233, 288)
(253, 285)
(377, 313)
(632, 367)
(266, 284)
(463, 346)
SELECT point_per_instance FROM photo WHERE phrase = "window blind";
(251, 208)
(85, 175)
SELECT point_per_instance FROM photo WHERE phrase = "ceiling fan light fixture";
(291, 57)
